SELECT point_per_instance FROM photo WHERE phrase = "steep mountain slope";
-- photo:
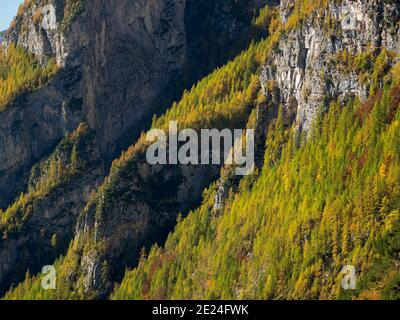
(322, 91)
(138, 203)
(116, 68)
(134, 60)
(307, 65)
(319, 203)
(39, 225)
(32, 123)
(107, 233)
(330, 201)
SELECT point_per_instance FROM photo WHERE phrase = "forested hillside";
(41, 195)
(324, 101)
(318, 204)
(20, 72)
(223, 99)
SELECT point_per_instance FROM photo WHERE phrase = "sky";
(8, 9)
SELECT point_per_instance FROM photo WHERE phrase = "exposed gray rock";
(119, 63)
(135, 52)
(32, 125)
(41, 30)
(28, 244)
(129, 63)
(137, 206)
(304, 67)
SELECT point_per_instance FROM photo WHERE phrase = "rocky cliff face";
(119, 64)
(136, 51)
(305, 67)
(157, 48)
(112, 231)
(43, 220)
(33, 124)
